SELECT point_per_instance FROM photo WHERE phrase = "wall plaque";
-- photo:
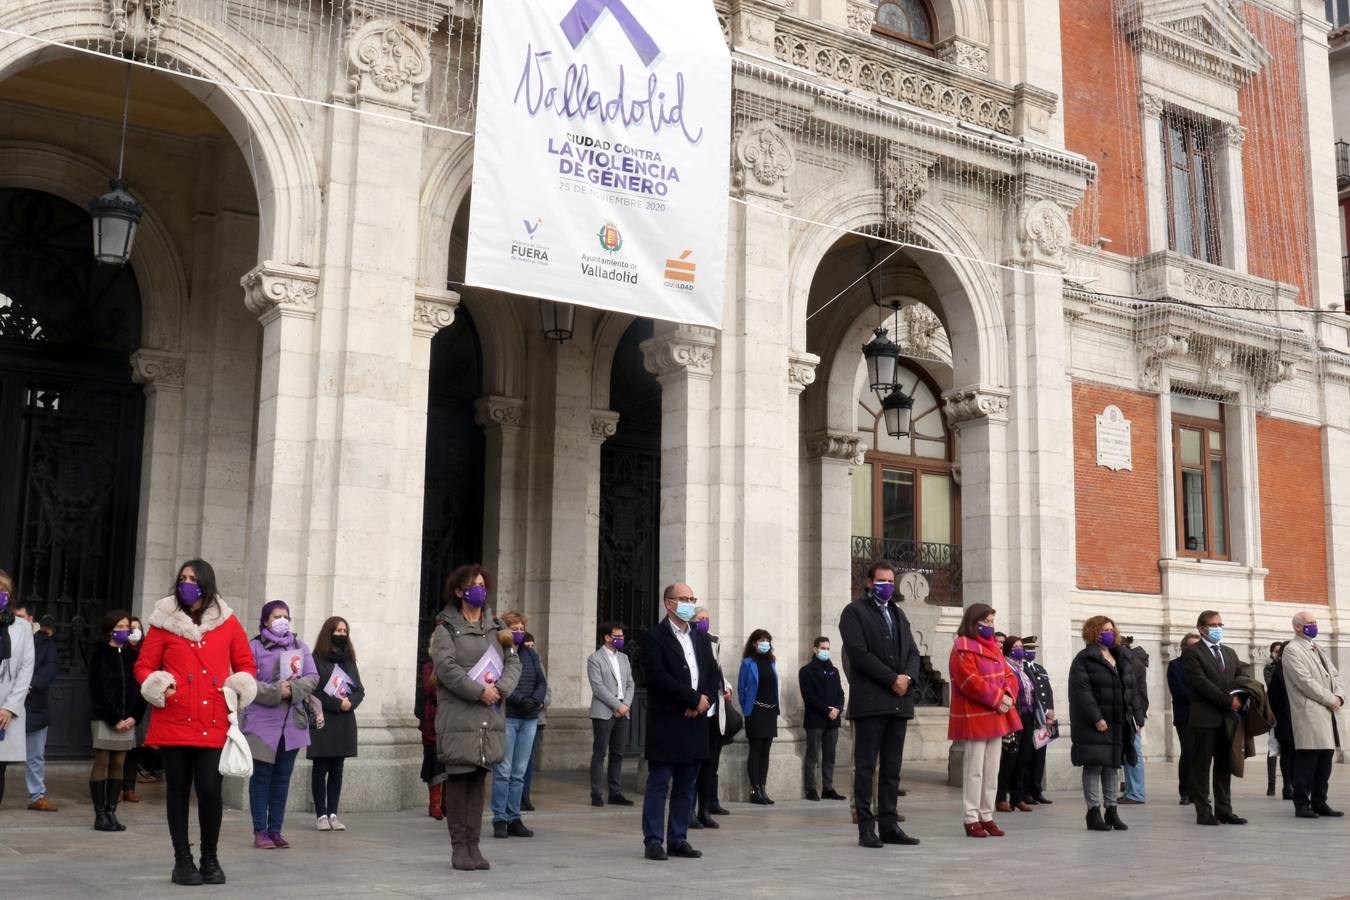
(1115, 450)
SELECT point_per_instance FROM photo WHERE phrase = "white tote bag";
(235, 757)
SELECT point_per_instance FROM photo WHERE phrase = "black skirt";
(762, 724)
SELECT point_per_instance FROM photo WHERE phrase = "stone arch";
(609, 330)
(968, 19)
(968, 301)
(268, 134)
(444, 188)
(66, 174)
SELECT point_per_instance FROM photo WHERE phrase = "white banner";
(603, 146)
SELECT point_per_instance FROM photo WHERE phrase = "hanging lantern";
(558, 320)
(882, 357)
(896, 409)
(116, 215)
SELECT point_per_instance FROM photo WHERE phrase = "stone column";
(979, 416)
(157, 522)
(828, 517)
(1232, 195)
(1324, 212)
(1155, 187)
(503, 421)
(801, 374)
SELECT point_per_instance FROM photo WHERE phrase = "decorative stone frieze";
(158, 368)
(764, 161)
(604, 425)
(801, 371)
(966, 54)
(834, 445)
(922, 328)
(904, 182)
(290, 290)
(1167, 275)
(499, 412)
(433, 311)
(389, 56)
(140, 22)
(1153, 356)
(1206, 37)
(687, 350)
(965, 405)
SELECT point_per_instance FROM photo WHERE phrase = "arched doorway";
(452, 515)
(70, 434)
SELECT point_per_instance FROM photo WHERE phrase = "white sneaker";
(335, 825)
(323, 824)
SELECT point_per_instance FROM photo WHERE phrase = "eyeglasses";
(685, 599)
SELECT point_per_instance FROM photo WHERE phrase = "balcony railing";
(1342, 165)
(939, 563)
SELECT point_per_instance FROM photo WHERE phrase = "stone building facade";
(362, 421)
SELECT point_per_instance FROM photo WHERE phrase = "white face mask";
(136, 635)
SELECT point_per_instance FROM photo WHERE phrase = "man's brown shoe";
(130, 797)
(42, 804)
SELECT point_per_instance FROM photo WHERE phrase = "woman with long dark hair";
(195, 648)
(340, 693)
(477, 668)
(115, 706)
(758, 687)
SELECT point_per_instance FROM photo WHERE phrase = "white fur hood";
(170, 615)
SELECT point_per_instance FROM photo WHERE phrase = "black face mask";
(339, 641)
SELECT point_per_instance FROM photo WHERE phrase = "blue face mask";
(684, 610)
(1215, 634)
(763, 647)
(823, 655)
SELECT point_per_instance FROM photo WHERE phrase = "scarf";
(1024, 701)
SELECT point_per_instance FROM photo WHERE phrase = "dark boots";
(1113, 819)
(211, 871)
(460, 857)
(184, 869)
(757, 796)
(1094, 820)
(764, 796)
(104, 794)
(453, 796)
(1271, 763)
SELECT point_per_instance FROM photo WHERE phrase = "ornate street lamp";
(116, 214)
(896, 410)
(882, 357)
(558, 320)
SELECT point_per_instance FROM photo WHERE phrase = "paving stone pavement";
(794, 849)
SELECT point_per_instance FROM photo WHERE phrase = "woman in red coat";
(984, 694)
(194, 648)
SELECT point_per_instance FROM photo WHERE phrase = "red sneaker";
(976, 829)
(992, 830)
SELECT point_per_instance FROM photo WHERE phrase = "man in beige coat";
(1316, 696)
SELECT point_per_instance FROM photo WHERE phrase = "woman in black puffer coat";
(1101, 697)
(115, 706)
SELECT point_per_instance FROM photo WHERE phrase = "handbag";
(735, 721)
(235, 757)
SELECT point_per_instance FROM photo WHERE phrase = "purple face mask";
(121, 635)
(884, 590)
(1018, 653)
(1310, 630)
(4, 600)
(702, 625)
(1031, 655)
(475, 595)
(985, 631)
(518, 637)
(618, 643)
(189, 593)
(1107, 639)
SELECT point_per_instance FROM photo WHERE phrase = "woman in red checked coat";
(984, 698)
(194, 648)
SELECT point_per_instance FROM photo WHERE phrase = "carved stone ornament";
(964, 54)
(1152, 105)
(433, 311)
(604, 425)
(688, 350)
(904, 183)
(801, 371)
(1154, 354)
(390, 55)
(922, 327)
(1231, 135)
(1045, 233)
(764, 161)
(833, 445)
(141, 22)
(290, 290)
(158, 369)
(499, 412)
(1269, 373)
(965, 405)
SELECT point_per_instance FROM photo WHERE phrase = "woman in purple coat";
(276, 725)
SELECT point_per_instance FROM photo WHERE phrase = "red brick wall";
(1293, 510)
(1116, 512)
(1101, 121)
(1275, 158)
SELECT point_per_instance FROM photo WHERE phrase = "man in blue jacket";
(46, 666)
(1181, 714)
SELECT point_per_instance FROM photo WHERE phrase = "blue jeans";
(268, 789)
(508, 776)
(681, 782)
(37, 764)
(1134, 775)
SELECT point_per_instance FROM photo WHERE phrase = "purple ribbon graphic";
(585, 13)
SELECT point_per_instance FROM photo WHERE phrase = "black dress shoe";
(1323, 810)
(812, 795)
(499, 830)
(655, 851)
(1184, 801)
(684, 851)
(718, 809)
(619, 800)
(832, 794)
(596, 801)
(898, 836)
(1205, 819)
(869, 840)
(1042, 799)
(1230, 819)
(706, 820)
(901, 792)
(1305, 812)
(695, 823)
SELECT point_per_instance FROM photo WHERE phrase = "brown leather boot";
(436, 802)
(460, 857)
(473, 812)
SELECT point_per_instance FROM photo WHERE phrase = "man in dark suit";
(823, 699)
(682, 679)
(882, 664)
(1181, 713)
(1212, 671)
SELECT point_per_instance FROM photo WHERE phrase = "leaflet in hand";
(339, 684)
(488, 669)
(292, 665)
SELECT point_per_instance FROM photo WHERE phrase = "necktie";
(886, 614)
(1218, 656)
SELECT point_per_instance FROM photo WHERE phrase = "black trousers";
(1015, 766)
(1037, 785)
(1312, 772)
(757, 762)
(878, 739)
(609, 738)
(820, 749)
(186, 769)
(1185, 761)
(1211, 748)
(325, 783)
(707, 771)
(129, 767)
